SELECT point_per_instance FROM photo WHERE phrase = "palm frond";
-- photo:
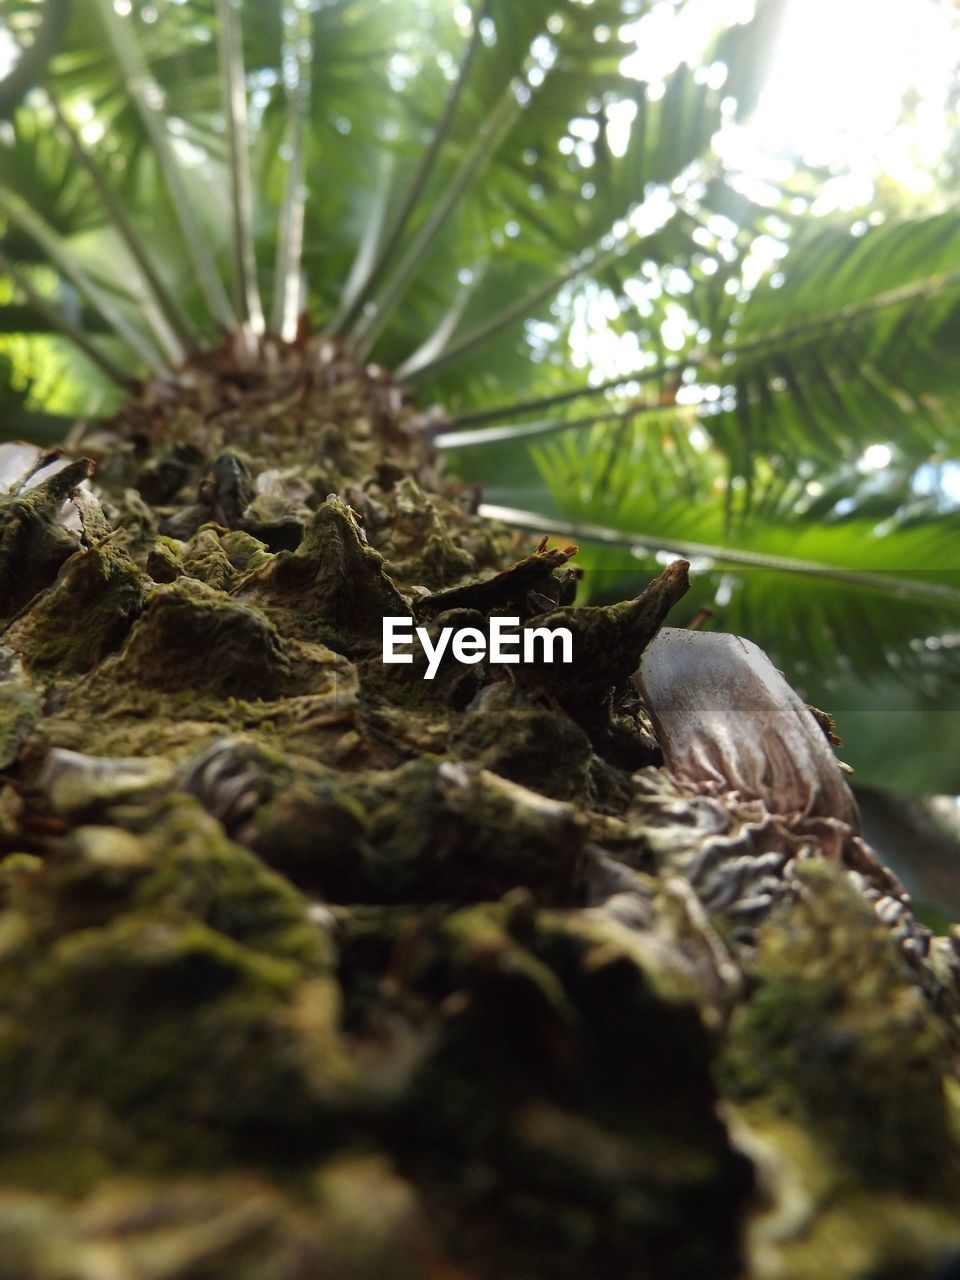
(842, 372)
(585, 216)
(60, 255)
(851, 581)
(59, 322)
(492, 132)
(867, 355)
(391, 240)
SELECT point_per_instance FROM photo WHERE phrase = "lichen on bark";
(309, 966)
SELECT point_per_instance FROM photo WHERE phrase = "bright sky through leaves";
(839, 78)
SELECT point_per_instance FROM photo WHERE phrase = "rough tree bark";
(311, 967)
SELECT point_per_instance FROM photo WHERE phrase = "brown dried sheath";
(725, 717)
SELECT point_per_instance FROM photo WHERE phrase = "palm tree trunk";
(358, 974)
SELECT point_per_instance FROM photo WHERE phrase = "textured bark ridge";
(310, 967)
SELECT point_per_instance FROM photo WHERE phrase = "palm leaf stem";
(478, 417)
(247, 289)
(448, 440)
(298, 53)
(145, 95)
(640, 543)
(440, 336)
(369, 239)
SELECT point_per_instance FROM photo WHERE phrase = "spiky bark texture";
(310, 967)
